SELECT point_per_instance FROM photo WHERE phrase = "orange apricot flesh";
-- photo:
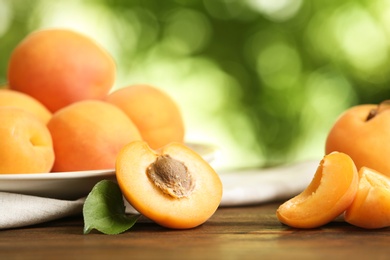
(329, 194)
(371, 207)
(174, 186)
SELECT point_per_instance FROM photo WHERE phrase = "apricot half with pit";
(329, 194)
(174, 186)
(371, 207)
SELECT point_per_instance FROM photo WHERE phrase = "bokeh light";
(262, 80)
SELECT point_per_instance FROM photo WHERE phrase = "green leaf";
(104, 210)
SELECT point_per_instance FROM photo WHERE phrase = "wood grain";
(251, 232)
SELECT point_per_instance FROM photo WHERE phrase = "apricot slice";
(175, 187)
(329, 194)
(371, 207)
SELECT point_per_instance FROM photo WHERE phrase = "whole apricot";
(329, 194)
(154, 112)
(14, 98)
(59, 67)
(26, 144)
(88, 135)
(362, 132)
(174, 186)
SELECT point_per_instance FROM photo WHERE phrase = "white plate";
(72, 185)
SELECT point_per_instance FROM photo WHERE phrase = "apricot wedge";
(371, 207)
(174, 186)
(329, 194)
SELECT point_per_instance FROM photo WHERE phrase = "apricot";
(175, 187)
(153, 111)
(361, 132)
(89, 134)
(14, 98)
(329, 194)
(371, 207)
(26, 144)
(59, 67)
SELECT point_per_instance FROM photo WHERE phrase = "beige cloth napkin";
(17, 210)
(242, 187)
(256, 186)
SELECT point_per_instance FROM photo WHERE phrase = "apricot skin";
(153, 111)
(21, 100)
(362, 140)
(371, 207)
(148, 199)
(26, 144)
(88, 135)
(328, 195)
(59, 67)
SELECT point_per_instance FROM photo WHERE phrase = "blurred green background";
(262, 80)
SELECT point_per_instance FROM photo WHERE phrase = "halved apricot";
(371, 207)
(328, 195)
(174, 186)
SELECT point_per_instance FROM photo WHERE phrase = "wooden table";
(251, 232)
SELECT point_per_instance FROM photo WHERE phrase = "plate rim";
(212, 149)
(57, 175)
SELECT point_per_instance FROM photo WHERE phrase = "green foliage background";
(262, 80)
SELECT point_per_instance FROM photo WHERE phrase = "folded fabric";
(17, 210)
(256, 186)
(242, 187)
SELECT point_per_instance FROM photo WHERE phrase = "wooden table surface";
(251, 232)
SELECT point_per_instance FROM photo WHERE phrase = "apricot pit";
(171, 176)
(173, 186)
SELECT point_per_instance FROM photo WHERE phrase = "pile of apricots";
(59, 113)
(65, 79)
(352, 181)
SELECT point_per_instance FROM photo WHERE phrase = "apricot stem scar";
(171, 176)
(376, 111)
